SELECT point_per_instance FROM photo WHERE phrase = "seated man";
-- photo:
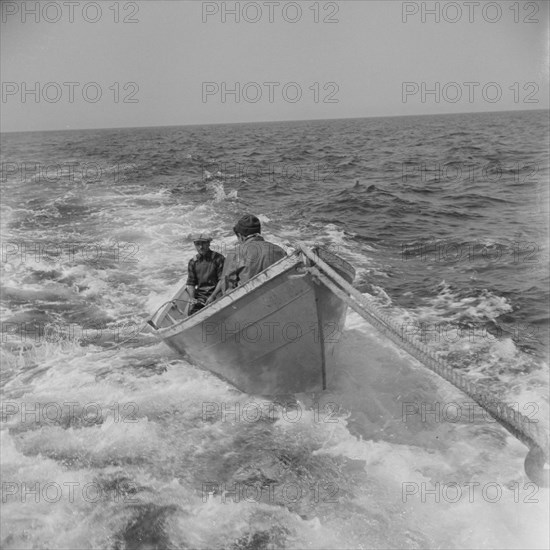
(204, 272)
(252, 255)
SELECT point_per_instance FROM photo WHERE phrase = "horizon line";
(269, 121)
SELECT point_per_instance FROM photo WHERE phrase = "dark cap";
(248, 225)
(201, 237)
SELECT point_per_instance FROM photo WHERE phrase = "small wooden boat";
(276, 334)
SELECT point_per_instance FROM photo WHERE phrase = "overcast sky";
(177, 61)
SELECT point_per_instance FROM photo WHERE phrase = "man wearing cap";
(252, 255)
(203, 272)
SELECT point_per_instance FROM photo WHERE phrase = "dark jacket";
(204, 272)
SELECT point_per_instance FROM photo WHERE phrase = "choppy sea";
(445, 219)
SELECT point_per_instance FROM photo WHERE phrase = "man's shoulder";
(217, 257)
(256, 249)
(262, 243)
(275, 247)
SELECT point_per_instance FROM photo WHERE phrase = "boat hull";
(277, 334)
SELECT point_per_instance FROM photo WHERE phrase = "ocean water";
(445, 219)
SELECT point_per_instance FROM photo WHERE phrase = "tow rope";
(519, 425)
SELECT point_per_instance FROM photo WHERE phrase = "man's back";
(257, 254)
(250, 258)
